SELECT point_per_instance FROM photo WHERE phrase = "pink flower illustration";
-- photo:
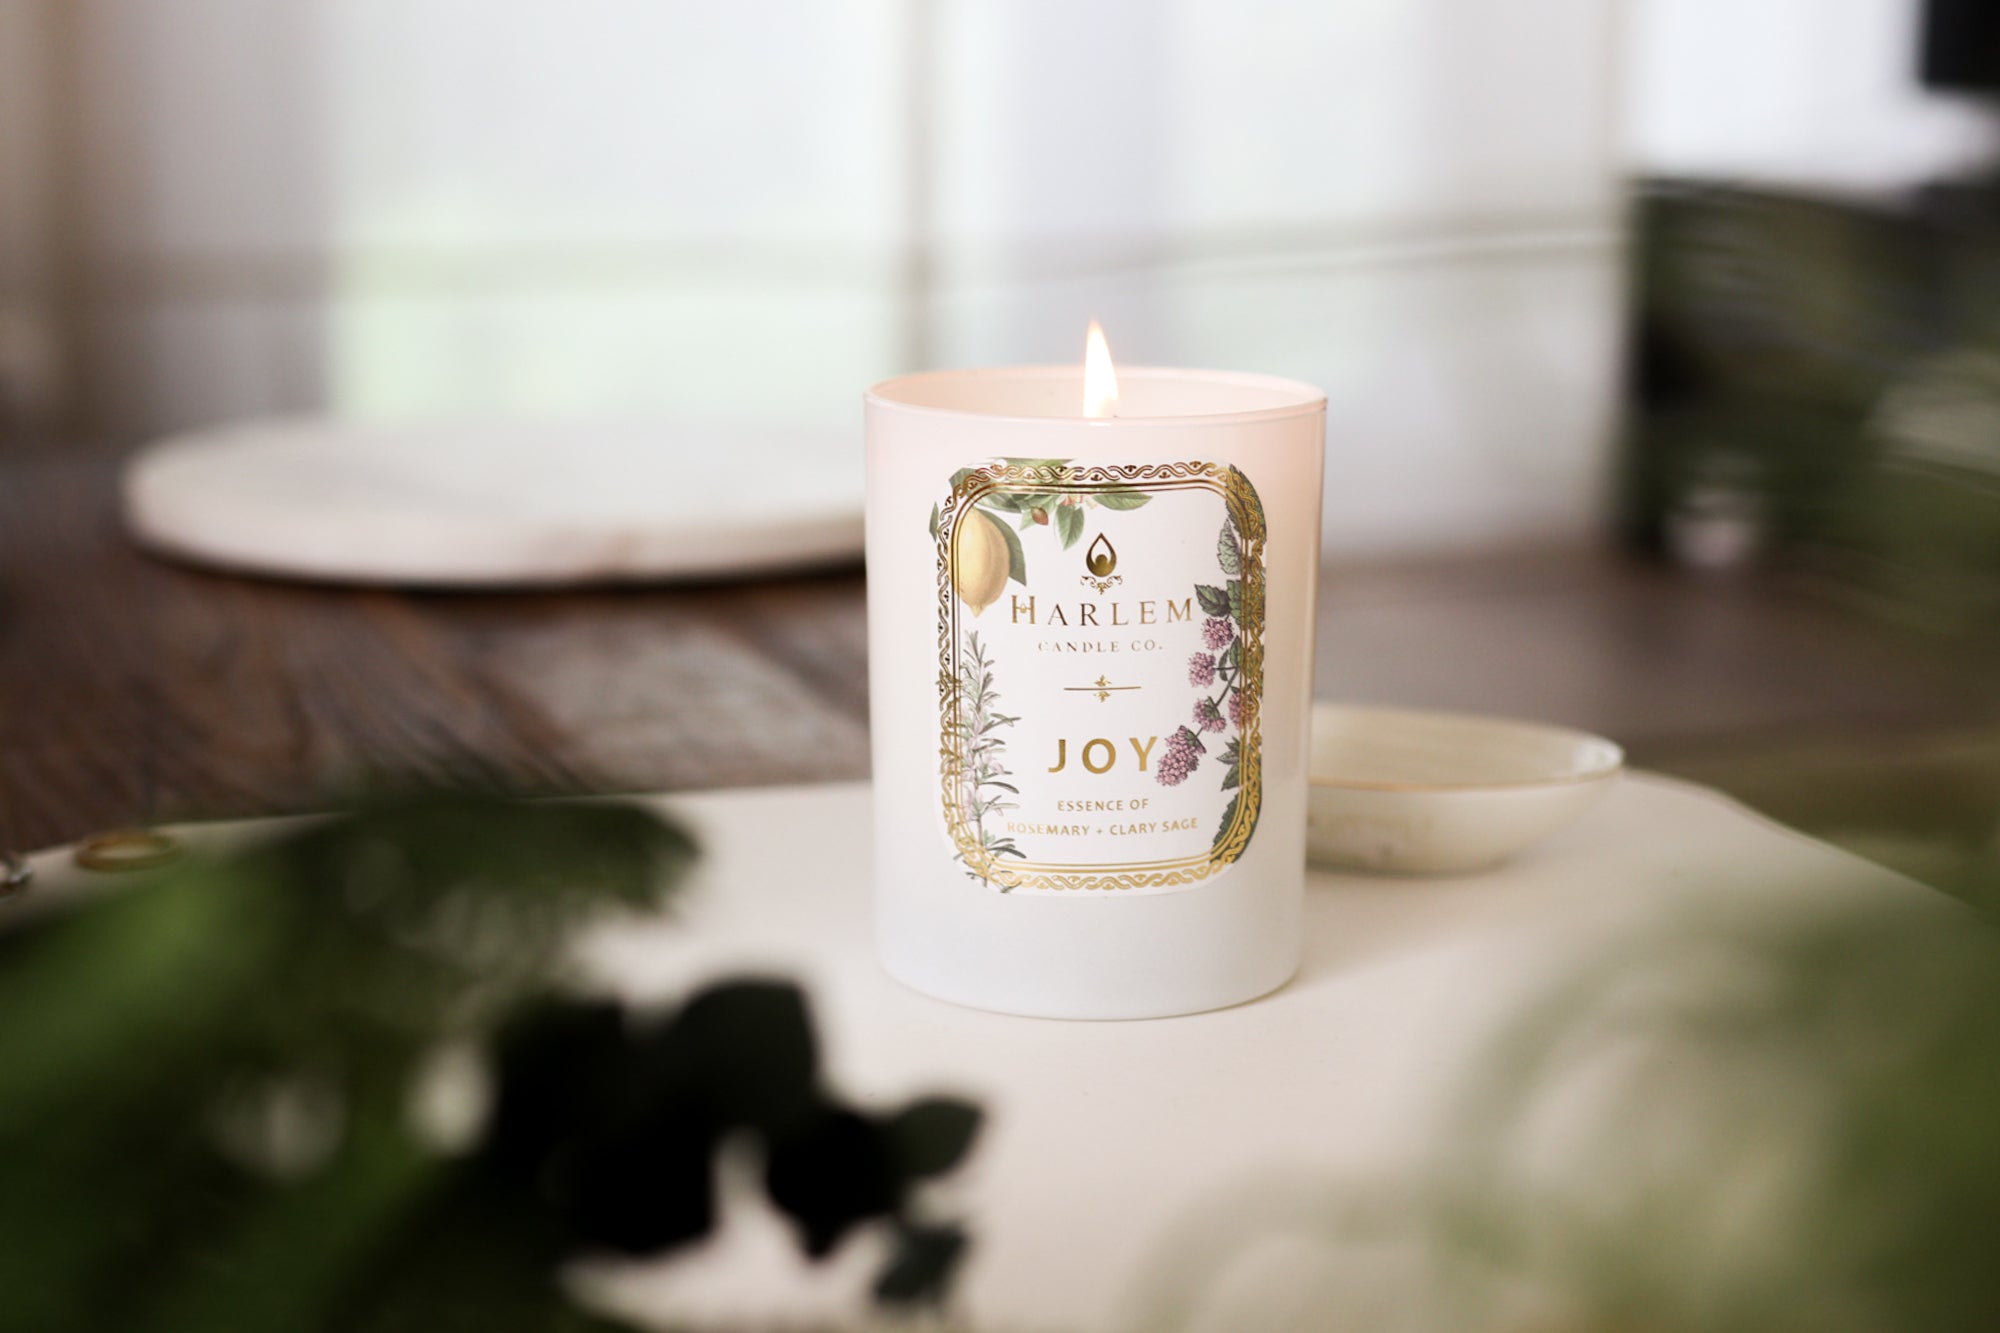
(1201, 670)
(1182, 757)
(1217, 633)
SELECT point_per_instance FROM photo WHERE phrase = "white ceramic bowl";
(1412, 793)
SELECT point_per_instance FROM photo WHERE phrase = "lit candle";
(1090, 607)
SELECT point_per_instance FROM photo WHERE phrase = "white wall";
(1413, 203)
(407, 207)
(1800, 91)
(24, 180)
(29, 339)
(411, 207)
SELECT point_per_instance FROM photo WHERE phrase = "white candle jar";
(1090, 664)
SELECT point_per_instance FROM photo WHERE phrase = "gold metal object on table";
(126, 849)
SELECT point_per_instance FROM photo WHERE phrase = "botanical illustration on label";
(1100, 653)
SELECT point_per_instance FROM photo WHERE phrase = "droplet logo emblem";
(1100, 559)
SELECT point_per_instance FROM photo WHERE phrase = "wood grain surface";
(133, 690)
(136, 691)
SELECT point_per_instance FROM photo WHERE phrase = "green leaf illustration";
(1226, 553)
(934, 522)
(1017, 559)
(1253, 506)
(1229, 779)
(1214, 601)
(1122, 499)
(1228, 818)
(1236, 600)
(1069, 524)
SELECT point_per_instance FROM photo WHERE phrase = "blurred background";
(1617, 287)
(386, 208)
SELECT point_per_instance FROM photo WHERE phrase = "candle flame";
(1100, 381)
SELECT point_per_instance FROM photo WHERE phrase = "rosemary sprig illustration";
(984, 788)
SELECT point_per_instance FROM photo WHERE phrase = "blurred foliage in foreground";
(1769, 1128)
(325, 1083)
(1788, 1125)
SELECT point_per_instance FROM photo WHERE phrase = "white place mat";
(497, 505)
(1105, 1139)
(1104, 1135)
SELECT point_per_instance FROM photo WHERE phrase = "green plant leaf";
(1236, 600)
(1069, 524)
(705, 1042)
(1230, 778)
(333, 961)
(931, 1136)
(934, 522)
(1226, 552)
(1122, 499)
(1214, 601)
(830, 1173)
(920, 1267)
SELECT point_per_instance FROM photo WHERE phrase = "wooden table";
(134, 691)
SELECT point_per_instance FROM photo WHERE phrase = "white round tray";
(495, 505)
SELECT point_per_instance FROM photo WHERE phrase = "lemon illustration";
(979, 560)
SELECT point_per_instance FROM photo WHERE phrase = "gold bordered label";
(1100, 671)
